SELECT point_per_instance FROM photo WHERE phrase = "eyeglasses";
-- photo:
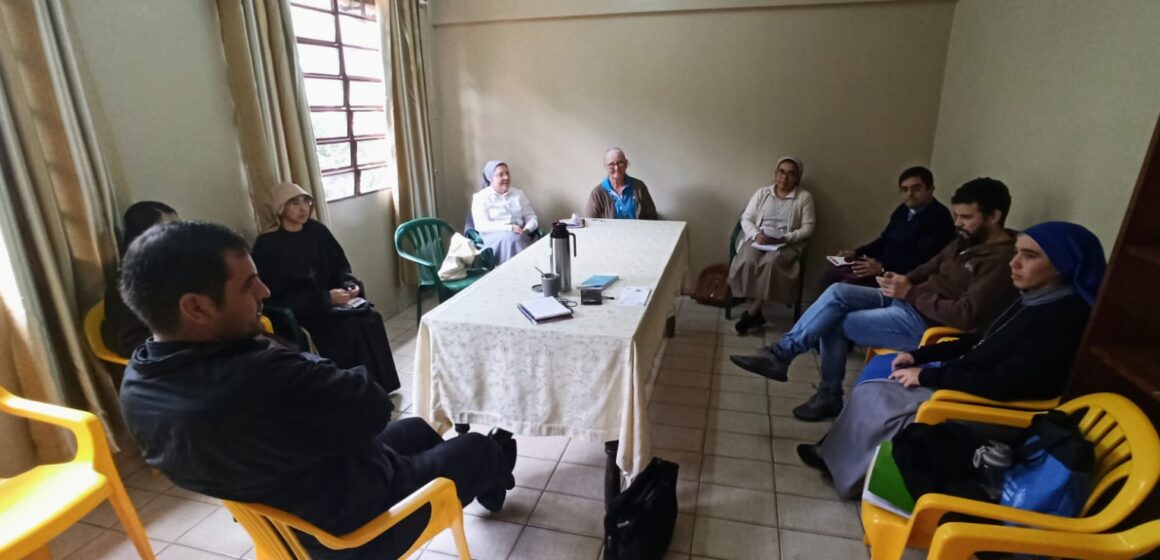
(616, 164)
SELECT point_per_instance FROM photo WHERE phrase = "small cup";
(551, 283)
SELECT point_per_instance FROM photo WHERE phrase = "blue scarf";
(624, 205)
(1075, 253)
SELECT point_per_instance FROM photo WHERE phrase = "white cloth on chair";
(460, 255)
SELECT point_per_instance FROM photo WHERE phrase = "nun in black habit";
(307, 272)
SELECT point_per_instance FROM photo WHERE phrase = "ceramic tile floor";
(743, 492)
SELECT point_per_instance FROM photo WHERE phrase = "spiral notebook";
(543, 309)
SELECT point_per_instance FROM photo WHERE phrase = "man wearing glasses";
(620, 196)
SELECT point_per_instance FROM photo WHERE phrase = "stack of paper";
(633, 295)
(769, 248)
(542, 309)
(884, 485)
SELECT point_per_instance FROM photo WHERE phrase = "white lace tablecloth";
(479, 360)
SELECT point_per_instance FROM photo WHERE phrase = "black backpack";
(639, 522)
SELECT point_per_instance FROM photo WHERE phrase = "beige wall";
(365, 229)
(156, 77)
(156, 74)
(1057, 99)
(703, 102)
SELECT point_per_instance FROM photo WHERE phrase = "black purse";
(639, 522)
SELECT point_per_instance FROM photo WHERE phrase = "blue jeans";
(845, 312)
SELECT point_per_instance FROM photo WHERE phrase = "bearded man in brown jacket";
(964, 286)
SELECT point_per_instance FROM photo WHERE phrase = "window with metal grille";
(339, 51)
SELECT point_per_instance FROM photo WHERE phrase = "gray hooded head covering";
(489, 171)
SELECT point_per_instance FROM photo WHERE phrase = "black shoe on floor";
(493, 499)
(820, 407)
(808, 453)
(765, 364)
(748, 322)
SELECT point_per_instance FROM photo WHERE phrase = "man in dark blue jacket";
(229, 414)
(919, 228)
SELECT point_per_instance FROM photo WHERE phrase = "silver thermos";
(562, 254)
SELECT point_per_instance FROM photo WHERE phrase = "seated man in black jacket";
(1025, 353)
(225, 413)
(918, 229)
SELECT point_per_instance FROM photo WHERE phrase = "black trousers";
(473, 461)
(356, 337)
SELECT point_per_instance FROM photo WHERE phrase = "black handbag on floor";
(639, 522)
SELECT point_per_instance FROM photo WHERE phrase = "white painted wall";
(1057, 99)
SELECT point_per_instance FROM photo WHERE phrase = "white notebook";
(542, 309)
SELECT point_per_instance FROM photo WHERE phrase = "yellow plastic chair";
(39, 504)
(96, 316)
(933, 335)
(93, 320)
(272, 530)
(960, 541)
(1127, 450)
(947, 395)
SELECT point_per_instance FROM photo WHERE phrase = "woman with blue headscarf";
(1026, 352)
(502, 214)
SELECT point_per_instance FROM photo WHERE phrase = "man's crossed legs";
(844, 313)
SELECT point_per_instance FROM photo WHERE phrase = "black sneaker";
(748, 322)
(820, 407)
(765, 364)
(808, 452)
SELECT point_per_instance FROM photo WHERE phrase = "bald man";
(620, 196)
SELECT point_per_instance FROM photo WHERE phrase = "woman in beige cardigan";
(779, 214)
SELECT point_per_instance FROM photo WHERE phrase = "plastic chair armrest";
(418, 260)
(933, 412)
(932, 507)
(960, 541)
(949, 395)
(440, 493)
(83, 425)
(934, 334)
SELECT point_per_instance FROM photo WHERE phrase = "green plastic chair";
(287, 326)
(424, 242)
(730, 301)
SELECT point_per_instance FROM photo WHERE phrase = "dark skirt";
(355, 337)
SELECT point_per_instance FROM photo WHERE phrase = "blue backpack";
(1052, 467)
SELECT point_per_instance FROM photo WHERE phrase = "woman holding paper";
(775, 226)
(307, 272)
(503, 216)
(1026, 353)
